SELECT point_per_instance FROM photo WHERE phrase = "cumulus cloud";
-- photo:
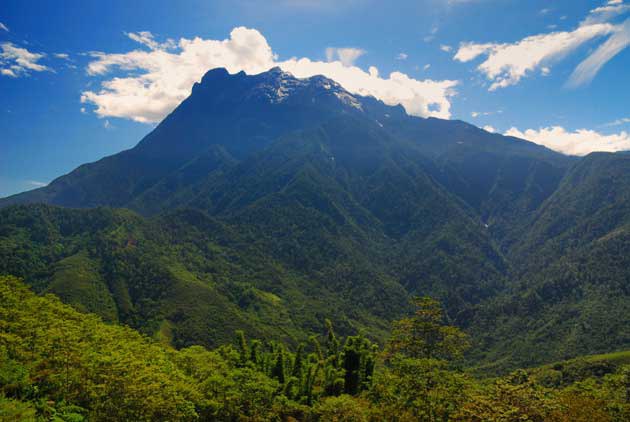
(402, 56)
(62, 56)
(3, 27)
(579, 142)
(489, 128)
(154, 81)
(506, 64)
(419, 98)
(16, 61)
(446, 48)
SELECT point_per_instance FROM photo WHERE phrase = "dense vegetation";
(59, 364)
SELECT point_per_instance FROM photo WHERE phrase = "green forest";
(59, 364)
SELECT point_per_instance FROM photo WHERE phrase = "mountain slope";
(240, 113)
(570, 292)
(311, 207)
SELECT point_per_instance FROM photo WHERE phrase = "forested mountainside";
(267, 203)
(570, 284)
(59, 364)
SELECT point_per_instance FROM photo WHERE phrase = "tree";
(416, 382)
(278, 371)
(358, 364)
(424, 334)
(243, 348)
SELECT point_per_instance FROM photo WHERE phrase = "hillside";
(570, 293)
(78, 368)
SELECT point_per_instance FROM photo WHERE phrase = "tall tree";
(425, 335)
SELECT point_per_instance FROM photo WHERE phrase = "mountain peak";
(274, 86)
(275, 70)
(215, 74)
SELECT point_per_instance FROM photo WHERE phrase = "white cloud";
(107, 125)
(426, 66)
(579, 142)
(346, 55)
(446, 48)
(36, 183)
(419, 98)
(618, 122)
(431, 36)
(147, 38)
(605, 13)
(16, 61)
(402, 56)
(506, 64)
(62, 56)
(470, 51)
(489, 128)
(154, 82)
(586, 71)
(4, 27)
(484, 113)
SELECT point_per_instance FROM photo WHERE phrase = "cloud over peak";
(148, 84)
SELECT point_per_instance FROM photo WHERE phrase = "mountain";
(269, 203)
(228, 118)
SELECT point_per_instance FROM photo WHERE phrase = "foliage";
(424, 335)
(61, 365)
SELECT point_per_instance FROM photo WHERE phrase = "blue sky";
(84, 79)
